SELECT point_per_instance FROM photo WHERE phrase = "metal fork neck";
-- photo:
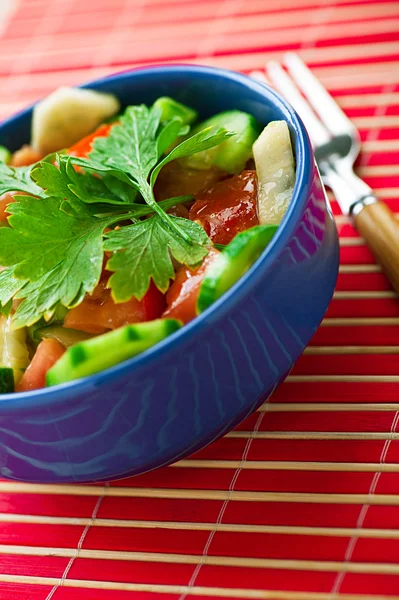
(361, 203)
(351, 192)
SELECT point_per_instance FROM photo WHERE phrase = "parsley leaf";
(134, 146)
(9, 286)
(60, 254)
(203, 140)
(65, 182)
(53, 250)
(146, 253)
(54, 180)
(169, 134)
(130, 146)
(18, 179)
(54, 257)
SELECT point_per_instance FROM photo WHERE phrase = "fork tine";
(260, 76)
(286, 86)
(329, 111)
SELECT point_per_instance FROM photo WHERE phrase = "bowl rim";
(304, 173)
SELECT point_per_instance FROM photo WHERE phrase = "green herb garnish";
(132, 151)
(147, 247)
(54, 246)
(58, 255)
(18, 179)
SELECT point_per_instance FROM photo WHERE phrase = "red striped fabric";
(313, 511)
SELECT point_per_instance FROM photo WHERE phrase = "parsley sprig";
(53, 249)
(133, 149)
(18, 179)
(145, 254)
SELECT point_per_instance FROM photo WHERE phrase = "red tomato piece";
(182, 295)
(98, 312)
(228, 207)
(25, 156)
(84, 146)
(179, 211)
(5, 200)
(46, 355)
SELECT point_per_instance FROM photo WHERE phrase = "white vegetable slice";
(275, 168)
(13, 349)
(67, 115)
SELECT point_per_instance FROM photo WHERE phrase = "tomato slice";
(84, 146)
(228, 207)
(98, 312)
(5, 200)
(182, 295)
(25, 156)
(46, 355)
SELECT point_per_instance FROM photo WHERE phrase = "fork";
(336, 144)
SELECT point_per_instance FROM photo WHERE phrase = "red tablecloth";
(301, 503)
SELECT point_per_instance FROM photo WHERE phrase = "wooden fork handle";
(379, 227)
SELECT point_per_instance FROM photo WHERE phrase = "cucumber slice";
(66, 336)
(14, 352)
(109, 349)
(57, 318)
(275, 168)
(5, 155)
(232, 155)
(171, 108)
(6, 380)
(68, 115)
(231, 264)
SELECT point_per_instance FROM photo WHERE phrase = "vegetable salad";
(117, 228)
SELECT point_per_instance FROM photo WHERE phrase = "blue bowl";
(204, 379)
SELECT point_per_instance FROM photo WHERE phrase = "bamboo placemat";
(301, 501)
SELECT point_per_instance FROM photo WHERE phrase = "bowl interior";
(209, 91)
(206, 89)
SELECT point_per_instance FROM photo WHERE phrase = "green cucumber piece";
(66, 336)
(5, 155)
(112, 119)
(171, 108)
(231, 264)
(57, 318)
(232, 155)
(14, 352)
(109, 349)
(6, 380)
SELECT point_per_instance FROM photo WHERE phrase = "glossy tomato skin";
(98, 312)
(25, 156)
(182, 295)
(46, 355)
(179, 211)
(5, 200)
(84, 146)
(228, 207)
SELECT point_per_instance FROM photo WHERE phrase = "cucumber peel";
(232, 155)
(104, 351)
(14, 353)
(65, 335)
(233, 262)
(5, 155)
(171, 108)
(6, 380)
